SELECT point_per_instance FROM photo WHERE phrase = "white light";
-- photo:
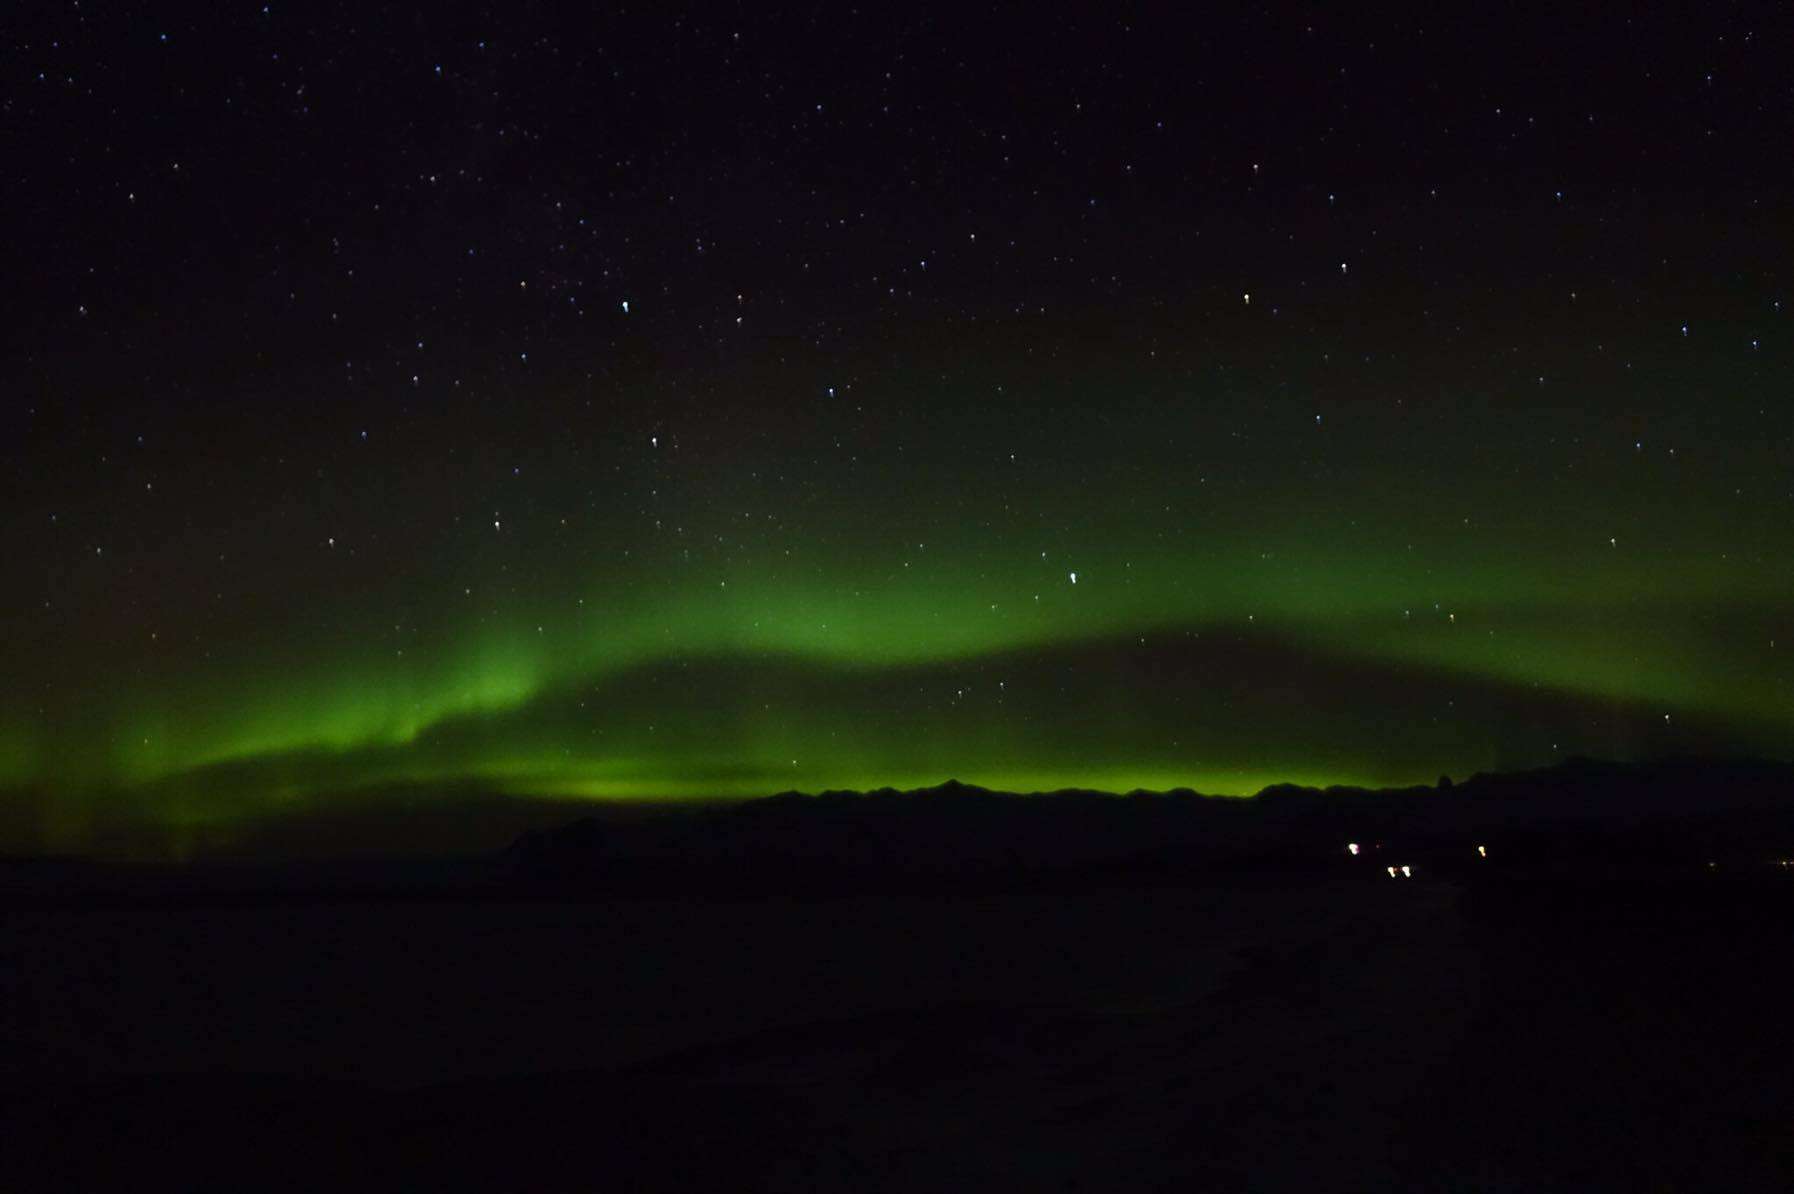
(1407, 872)
(1482, 851)
(625, 306)
(1074, 578)
(1391, 872)
(1352, 848)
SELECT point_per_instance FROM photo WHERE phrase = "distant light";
(1407, 872)
(1352, 848)
(625, 306)
(1074, 578)
(1482, 851)
(1391, 872)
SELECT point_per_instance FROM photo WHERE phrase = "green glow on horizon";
(866, 637)
(1226, 784)
(356, 705)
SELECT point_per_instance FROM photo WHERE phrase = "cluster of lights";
(1407, 872)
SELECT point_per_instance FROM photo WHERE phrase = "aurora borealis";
(671, 409)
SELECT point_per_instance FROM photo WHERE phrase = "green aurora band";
(1260, 596)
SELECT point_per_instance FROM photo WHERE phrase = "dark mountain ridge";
(1580, 816)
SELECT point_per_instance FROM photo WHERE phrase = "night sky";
(402, 400)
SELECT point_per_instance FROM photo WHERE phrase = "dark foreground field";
(1258, 1032)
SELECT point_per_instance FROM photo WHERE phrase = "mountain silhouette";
(1579, 813)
